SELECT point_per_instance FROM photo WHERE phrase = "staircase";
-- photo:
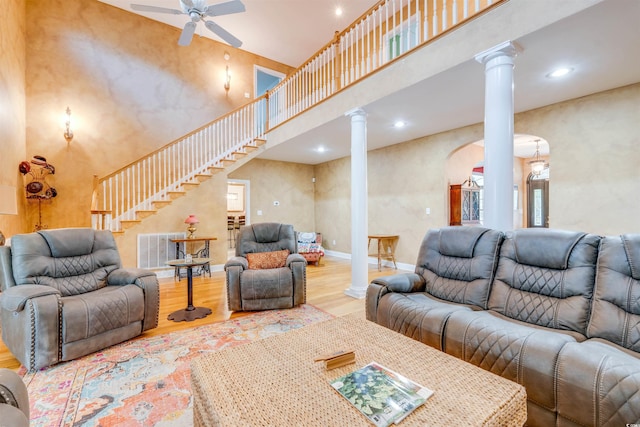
(124, 198)
(387, 32)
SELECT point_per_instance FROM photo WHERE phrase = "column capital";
(508, 48)
(356, 112)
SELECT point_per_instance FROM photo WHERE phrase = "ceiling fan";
(198, 11)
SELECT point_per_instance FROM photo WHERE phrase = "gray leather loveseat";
(556, 311)
(65, 295)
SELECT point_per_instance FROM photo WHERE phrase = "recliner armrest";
(127, 276)
(403, 282)
(16, 297)
(237, 261)
(295, 258)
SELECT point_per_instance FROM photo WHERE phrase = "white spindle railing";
(139, 186)
(389, 30)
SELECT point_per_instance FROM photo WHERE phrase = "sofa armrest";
(127, 276)
(237, 261)
(295, 258)
(404, 282)
(16, 297)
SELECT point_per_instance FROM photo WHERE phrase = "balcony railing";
(386, 32)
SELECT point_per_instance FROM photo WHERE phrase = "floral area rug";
(145, 381)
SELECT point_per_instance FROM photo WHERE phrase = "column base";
(357, 293)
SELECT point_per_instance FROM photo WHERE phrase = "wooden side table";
(201, 253)
(189, 313)
(386, 248)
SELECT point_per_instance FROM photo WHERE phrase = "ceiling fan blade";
(233, 6)
(223, 34)
(187, 33)
(145, 8)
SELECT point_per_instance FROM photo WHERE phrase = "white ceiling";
(287, 31)
(602, 43)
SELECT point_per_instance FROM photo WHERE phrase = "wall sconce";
(227, 80)
(68, 133)
(227, 76)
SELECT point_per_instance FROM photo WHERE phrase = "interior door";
(538, 199)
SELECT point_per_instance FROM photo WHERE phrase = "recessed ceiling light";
(321, 149)
(399, 124)
(338, 11)
(560, 72)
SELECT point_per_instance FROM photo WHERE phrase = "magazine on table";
(382, 395)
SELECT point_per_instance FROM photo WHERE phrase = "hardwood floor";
(325, 289)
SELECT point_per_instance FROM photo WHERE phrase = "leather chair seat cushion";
(93, 313)
(417, 315)
(520, 352)
(598, 384)
(265, 284)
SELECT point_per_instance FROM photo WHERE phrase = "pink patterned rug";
(146, 381)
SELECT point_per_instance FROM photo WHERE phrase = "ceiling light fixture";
(338, 11)
(560, 72)
(321, 149)
(537, 164)
(399, 124)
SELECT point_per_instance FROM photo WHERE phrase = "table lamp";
(191, 221)
(8, 204)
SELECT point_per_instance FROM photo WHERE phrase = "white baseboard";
(373, 261)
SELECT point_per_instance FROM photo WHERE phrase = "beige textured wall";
(291, 184)
(12, 106)
(130, 87)
(404, 180)
(594, 173)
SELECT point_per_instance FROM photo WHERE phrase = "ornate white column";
(498, 135)
(359, 217)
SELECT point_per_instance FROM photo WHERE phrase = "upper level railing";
(384, 33)
(387, 31)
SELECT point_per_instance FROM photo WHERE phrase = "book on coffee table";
(382, 395)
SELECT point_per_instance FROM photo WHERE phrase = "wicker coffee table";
(275, 381)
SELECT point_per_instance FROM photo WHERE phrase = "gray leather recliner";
(65, 295)
(266, 289)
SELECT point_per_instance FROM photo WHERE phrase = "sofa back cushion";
(546, 277)
(616, 306)
(266, 237)
(72, 260)
(458, 263)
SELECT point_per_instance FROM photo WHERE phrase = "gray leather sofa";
(251, 289)
(556, 311)
(65, 295)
